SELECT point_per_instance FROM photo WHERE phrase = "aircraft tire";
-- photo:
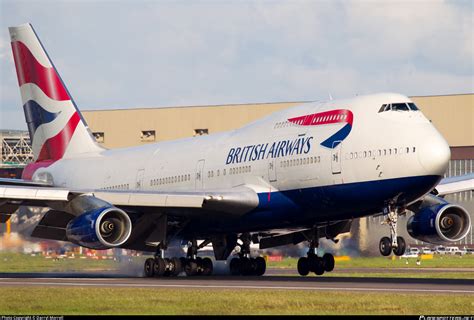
(207, 267)
(312, 262)
(261, 266)
(400, 250)
(177, 266)
(319, 266)
(303, 266)
(234, 266)
(160, 267)
(328, 262)
(385, 246)
(245, 266)
(191, 268)
(167, 272)
(149, 267)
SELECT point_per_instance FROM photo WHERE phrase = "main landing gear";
(245, 265)
(312, 262)
(192, 265)
(394, 243)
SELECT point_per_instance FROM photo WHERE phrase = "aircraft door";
(199, 180)
(336, 158)
(272, 176)
(140, 175)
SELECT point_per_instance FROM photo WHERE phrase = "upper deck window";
(398, 107)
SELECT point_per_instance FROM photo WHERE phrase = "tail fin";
(56, 126)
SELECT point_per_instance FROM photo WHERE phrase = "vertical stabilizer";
(56, 127)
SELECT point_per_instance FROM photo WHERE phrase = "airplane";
(297, 175)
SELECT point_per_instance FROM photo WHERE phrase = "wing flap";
(33, 193)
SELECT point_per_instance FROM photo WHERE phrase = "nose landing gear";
(394, 243)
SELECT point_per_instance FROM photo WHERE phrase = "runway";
(348, 284)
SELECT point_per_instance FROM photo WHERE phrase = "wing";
(235, 201)
(152, 212)
(455, 184)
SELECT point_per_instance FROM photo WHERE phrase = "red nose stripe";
(327, 117)
(29, 70)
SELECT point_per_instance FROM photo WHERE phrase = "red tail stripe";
(55, 147)
(29, 70)
(333, 116)
(31, 168)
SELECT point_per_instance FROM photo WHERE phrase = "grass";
(91, 301)
(441, 261)
(18, 262)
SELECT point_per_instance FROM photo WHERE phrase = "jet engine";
(100, 228)
(440, 223)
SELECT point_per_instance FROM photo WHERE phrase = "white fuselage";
(381, 146)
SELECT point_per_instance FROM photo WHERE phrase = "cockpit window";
(398, 107)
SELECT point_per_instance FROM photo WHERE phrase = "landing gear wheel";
(245, 266)
(183, 261)
(160, 267)
(149, 267)
(207, 267)
(312, 262)
(400, 249)
(177, 266)
(385, 246)
(199, 265)
(303, 266)
(328, 262)
(191, 267)
(234, 266)
(167, 272)
(319, 266)
(261, 266)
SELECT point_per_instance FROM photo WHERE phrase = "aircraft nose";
(434, 154)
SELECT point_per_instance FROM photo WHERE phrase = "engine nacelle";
(100, 228)
(440, 223)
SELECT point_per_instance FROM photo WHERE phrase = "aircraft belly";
(305, 207)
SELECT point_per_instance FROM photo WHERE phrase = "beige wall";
(123, 127)
(453, 115)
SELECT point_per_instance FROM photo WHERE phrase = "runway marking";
(65, 284)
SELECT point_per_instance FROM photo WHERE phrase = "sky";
(129, 54)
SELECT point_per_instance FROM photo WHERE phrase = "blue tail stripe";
(36, 115)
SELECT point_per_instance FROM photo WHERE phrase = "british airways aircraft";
(297, 175)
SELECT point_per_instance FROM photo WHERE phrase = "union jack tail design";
(56, 126)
